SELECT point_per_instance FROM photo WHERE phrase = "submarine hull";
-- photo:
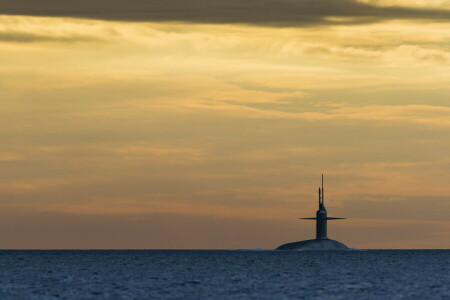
(317, 244)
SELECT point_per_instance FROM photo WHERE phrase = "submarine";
(321, 242)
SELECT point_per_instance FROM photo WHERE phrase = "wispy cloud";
(21, 37)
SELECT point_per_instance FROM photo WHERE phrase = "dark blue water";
(376, 274)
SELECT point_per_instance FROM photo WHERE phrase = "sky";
(206, 124)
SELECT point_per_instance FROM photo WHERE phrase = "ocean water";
(190, 274)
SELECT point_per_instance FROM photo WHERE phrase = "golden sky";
(207, 124)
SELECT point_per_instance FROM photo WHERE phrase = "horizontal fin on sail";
(330, 218)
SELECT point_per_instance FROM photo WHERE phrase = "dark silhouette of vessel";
(322, 242)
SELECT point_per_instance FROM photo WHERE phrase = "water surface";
(190, 274)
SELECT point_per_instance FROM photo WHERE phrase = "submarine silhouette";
(322, 242)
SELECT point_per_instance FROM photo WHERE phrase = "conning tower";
(321, 217)
(321, 242)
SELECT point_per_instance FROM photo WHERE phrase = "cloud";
(18, 29)
(409, 3)
(256, 12)
(420, 114)
(23, 37)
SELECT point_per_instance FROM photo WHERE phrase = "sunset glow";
(213, 133)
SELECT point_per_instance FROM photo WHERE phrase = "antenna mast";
(323, 192)
(320, 199)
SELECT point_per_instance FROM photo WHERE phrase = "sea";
(225, 274)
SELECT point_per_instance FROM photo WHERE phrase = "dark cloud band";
(257, 12)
